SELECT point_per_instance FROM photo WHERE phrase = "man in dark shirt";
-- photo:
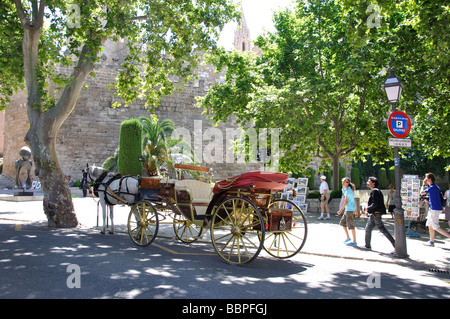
(375, 209)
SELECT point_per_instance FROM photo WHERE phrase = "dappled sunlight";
(34, 265)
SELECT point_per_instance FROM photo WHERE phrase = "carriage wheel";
(185, 230)
(143, 223)
(237, 230)
(285, 244)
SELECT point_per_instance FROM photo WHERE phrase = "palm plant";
(158, 143)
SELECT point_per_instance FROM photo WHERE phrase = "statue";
(23, 169)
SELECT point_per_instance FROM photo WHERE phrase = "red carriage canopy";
(260, 179)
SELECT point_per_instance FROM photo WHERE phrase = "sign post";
(399, 125)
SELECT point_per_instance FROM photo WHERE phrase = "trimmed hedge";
(382, 178)
(130, 148)
(354, 175)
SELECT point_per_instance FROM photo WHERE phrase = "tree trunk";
(335, 173)
(58, 206)
(45, 123)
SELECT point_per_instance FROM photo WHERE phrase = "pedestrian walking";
(349, 209)
(324, 196)
(434, 193)
(375, 211)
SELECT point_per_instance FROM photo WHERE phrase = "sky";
(258, 15)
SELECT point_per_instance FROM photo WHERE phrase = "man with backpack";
(375, 209)
(434, 193)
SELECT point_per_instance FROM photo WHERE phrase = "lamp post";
(393, 88)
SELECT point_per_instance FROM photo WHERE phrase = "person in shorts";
(324, 196)
(434, 193)
(349, 208)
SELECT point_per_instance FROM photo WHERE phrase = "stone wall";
(91, 133)
(16, 127)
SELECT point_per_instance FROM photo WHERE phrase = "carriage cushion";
(201, 192)
(264, 180)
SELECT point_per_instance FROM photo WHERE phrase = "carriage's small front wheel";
(143, 223)
(185, 230)
(237, 230)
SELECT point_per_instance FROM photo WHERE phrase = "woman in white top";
(324, 196)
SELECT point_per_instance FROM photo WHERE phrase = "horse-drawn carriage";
(245, 214)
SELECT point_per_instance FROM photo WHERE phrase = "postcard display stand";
(410, 200)
(296, 191)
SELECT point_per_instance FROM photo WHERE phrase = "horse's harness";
(95, 184)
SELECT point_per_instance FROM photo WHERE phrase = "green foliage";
(313, 80)
(391, 175)
(155, 143)
(110, 163)
(130, 148)
(160, 145)
(314, 194)
(341, 175)
(328, 174)
(337, 193)
(417, 162)
(382, 178)
(163, 37)
(354, 176)
(310, 174)
(11, 57)
(416, 37)
(320, 74)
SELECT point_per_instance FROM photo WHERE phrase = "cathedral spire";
(242, 35)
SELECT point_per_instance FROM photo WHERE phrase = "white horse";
(113, 189)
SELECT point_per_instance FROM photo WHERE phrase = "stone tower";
(242, 35)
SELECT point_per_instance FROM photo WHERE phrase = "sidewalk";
(325, 238)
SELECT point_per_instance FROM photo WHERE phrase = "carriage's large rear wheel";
(143, 223)
(285, 244)
(237, 230)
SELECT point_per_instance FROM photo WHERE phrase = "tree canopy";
(319, 78)
(316, 79)
(162, 37)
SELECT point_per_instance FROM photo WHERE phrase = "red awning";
(260, 179)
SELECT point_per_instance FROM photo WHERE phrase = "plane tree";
(163, 37)
(318, 79)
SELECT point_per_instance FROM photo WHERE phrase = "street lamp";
(393, 88)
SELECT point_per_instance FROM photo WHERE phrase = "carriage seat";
(201, 192)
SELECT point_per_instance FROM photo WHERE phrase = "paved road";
(38, 262)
